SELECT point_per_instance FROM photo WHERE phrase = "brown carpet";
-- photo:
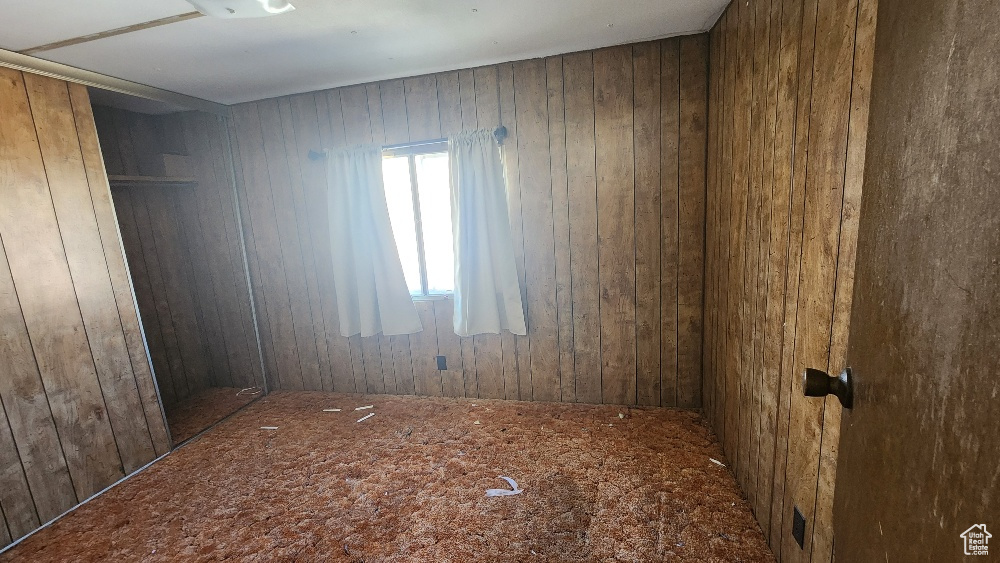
(203, 409)
(409, 485)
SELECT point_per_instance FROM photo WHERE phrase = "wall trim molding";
(27, 63)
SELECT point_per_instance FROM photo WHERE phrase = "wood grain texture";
(517, 363)
(184, 250)
(117, 267)
(691, 218)
(926, 299)
(606, 195)
(581, 174)
(77, 406)
(47, 489)
(781, 218)
(670, 166)
(30, 233)
(613, 91)
(857, 143)
(535, 177)
(70, 194)
(560, 227)
(646, 141)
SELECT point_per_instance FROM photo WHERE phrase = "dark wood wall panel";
(788, 106)
(605, 162)
(183, 248)
(79, 406)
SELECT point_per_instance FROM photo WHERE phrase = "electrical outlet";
(799, 527)
(442, 363)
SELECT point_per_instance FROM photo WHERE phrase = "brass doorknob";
(817, 383)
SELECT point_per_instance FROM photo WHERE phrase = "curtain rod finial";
(500, 133)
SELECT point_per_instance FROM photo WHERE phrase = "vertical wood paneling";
(711, 223)
(691, 218)
(296, 148)
(260, 307)
(749, 437)
(771, 222)
(422, 116)
(287, 220)
(75, 415)
(516, 350)
(535, 176)
(787, 387)
(260, 219)
(864, 56)
(423, 352)
(189, 236)
(47, 490)
(148, 305)
(449, 103)
(613, 118)
(669, 209)
(163, 237)
(833, 65)
(49, 302)
(39, 444)
(74, 211)
(605, 167)
(117, 268)
(450, 346)
(579, 102)
(560, 227)
(646, 143)
(784, 170)
(727, 421)
(221, 266)
(184, 251)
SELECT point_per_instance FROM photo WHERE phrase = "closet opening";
(172, 184)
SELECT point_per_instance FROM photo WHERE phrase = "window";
(419, 198)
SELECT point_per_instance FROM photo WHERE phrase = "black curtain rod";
(500, 133)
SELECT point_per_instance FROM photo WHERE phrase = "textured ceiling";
(326, 43)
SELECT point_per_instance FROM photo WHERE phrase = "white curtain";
(487, 293)
(372, 296)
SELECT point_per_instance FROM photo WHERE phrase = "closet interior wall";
(183, 246)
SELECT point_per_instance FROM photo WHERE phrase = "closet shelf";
(117, 180)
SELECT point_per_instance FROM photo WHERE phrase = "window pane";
(399, 196)
(435, 217)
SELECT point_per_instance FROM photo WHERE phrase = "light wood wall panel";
(79, 406)
(605, 163)
(183, 248)
(788, 103)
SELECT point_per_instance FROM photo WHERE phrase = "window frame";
(411, 151)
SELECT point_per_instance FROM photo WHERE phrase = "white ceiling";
(328, 43)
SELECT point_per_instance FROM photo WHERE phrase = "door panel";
(918, 453)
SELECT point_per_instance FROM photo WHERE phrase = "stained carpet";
(600, 483)
(203, 409)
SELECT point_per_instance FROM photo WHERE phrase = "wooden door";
(919, 452)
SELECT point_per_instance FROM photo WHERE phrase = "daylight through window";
(417, 191)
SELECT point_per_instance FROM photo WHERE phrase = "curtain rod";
(500, 133)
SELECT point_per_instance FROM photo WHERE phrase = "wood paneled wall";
(183, 247)
(606, 173)
(788, 102)
(79, 406)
